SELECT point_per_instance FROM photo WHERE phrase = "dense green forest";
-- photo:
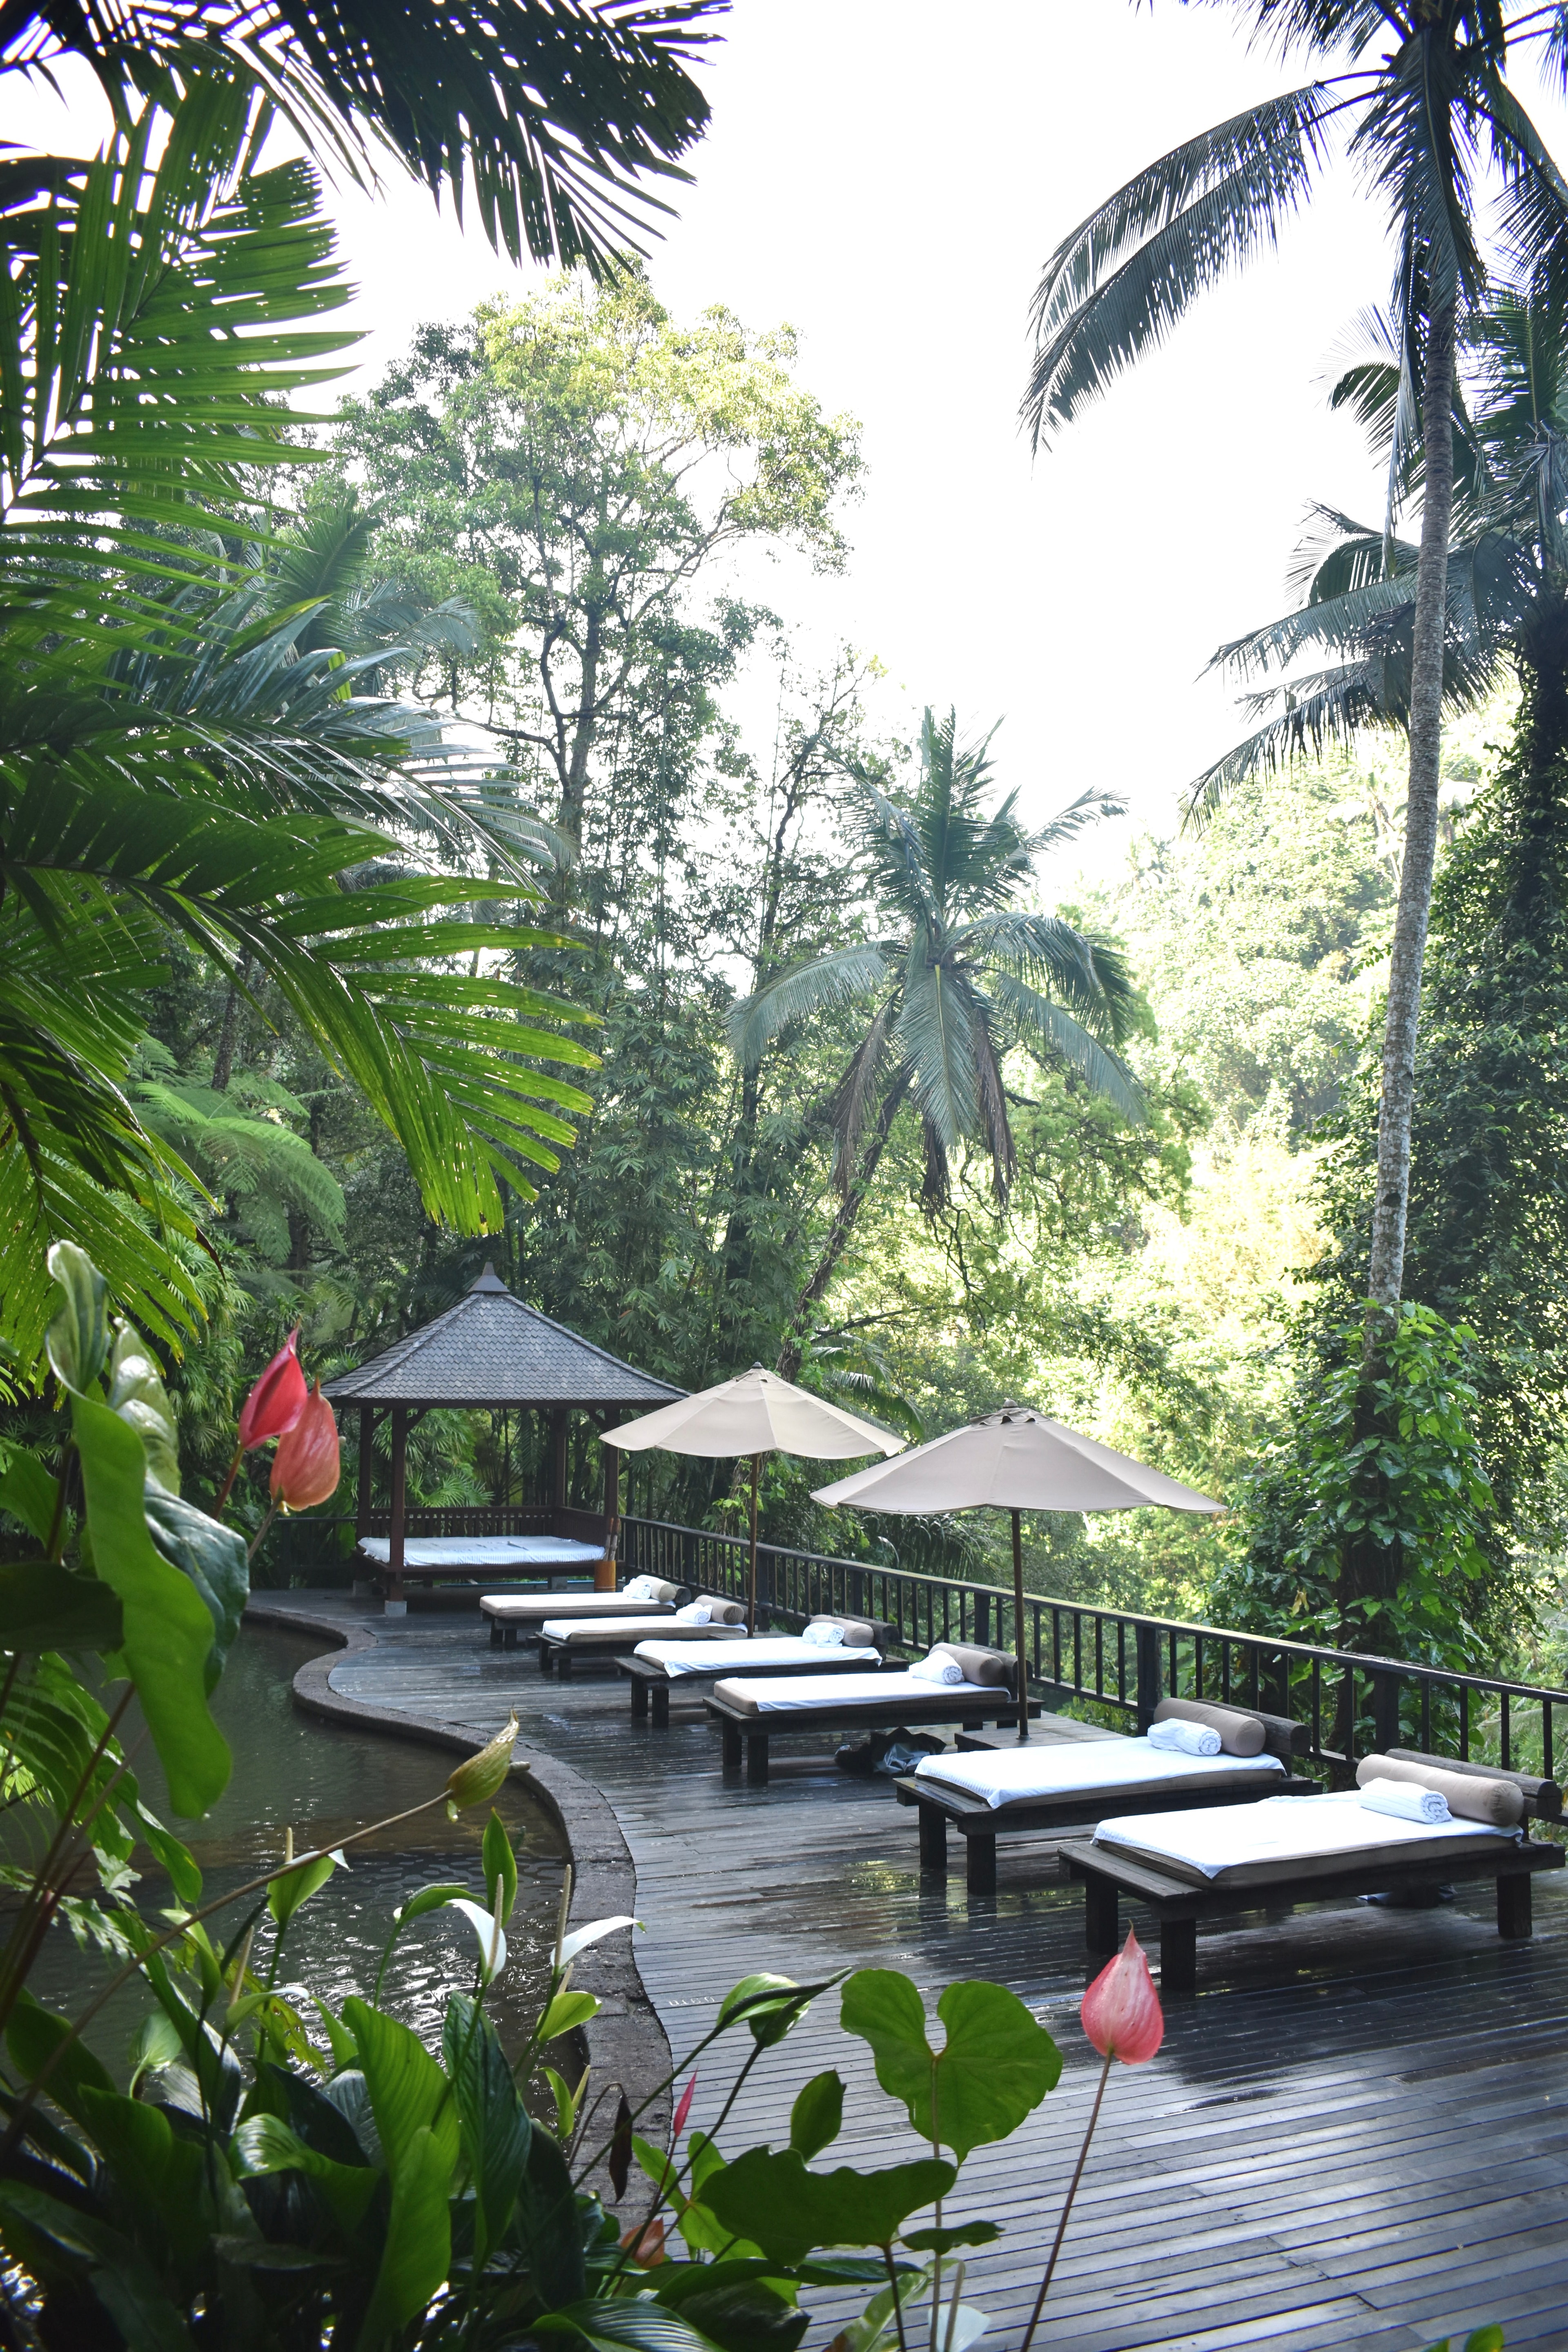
(1130, 1203)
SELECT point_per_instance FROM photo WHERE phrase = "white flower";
(489, 1931)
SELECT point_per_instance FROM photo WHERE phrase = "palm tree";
(550, 108)
(959, 976)
(1424, 100)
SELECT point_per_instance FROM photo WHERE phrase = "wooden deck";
(1355, 2135)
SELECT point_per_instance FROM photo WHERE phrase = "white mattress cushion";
(772, 1649)
(1241, 1845)
(798, 1692)
(483, 1552)
(585, 1631)
(533, 1608)
(1065, 1768)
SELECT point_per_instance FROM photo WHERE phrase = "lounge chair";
(1191, 1866)
(751, 1712)
(511, 1613)
(664, 1663)
(1070, 1773)
(564, 1642)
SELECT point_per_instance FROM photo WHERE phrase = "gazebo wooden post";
(366, 1471)
(396, 1606)
(605, 1576)
(558, 1462)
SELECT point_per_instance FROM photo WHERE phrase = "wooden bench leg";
(495, 1632)
(639, 1700)
(661, 1706)
(1102, 1929)
(757, 1759)
(1513, 1912)
(509, 1635)
(933, 1838)
(1178, 1955)
(731, 1736)
(980, 1866)
(563, 1665)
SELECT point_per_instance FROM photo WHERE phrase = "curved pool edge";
(626, 2044)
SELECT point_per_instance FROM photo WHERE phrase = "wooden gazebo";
(491, 1353)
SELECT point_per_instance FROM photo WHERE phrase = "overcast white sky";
(887, 176)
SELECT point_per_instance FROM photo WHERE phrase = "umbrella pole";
(1018, 1627)
(752, 1605)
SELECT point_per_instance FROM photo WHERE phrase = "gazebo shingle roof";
(492, 1349)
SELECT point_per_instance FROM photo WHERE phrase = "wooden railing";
(1349, 1703)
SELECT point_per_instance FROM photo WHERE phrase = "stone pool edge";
(625, 2043)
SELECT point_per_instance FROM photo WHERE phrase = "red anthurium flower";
(683, 2110)
(1120, 2011)
(306, 1466)
(276, 1401)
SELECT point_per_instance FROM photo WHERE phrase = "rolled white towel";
(824, 1636)
(1181, 1738)
(696, 1613)
(937, 1668)
(1406, 1800)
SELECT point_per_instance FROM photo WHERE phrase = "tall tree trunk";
(229, 1035)
(794, 1348)
(1391, 1203)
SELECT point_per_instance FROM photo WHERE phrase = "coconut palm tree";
(960, 975)
(1421, 104)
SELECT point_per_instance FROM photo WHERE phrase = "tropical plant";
(545, 113)
(1423, 102)
(962, 975)
(173, 765)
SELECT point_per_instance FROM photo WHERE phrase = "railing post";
(1384, 1709)
(982, 1619)
(1150, 1684)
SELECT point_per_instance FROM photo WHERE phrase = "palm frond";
(1089, 974)
(937, 1019)
(1051, 1034)
(1120, 280)
(820, 984)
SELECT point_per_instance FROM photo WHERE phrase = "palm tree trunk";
(1391, 1204)
(794, 1348)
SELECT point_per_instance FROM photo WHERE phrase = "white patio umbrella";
(755, 1413)
(1014, 1460)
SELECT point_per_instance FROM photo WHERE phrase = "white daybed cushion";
(772, 1649)
(533, 1608)
(1286, 1838)
(649, 1620)
(1066, 1768)
(482, 1551)
(795, 1691)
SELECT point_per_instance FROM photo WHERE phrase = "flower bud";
(306, 1466)
(477, 1779)
(1120, 2011)
(276, 1401)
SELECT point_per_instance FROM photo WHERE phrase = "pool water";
(325, 1780)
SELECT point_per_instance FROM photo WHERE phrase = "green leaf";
(43, 1607)
(136, 1392)
(214, 1556)
(549, 2221)
(743, 2313)
(942, 2241)
(565, 2103)
(168, 1630)
(266, 2144)
(768, 2005)
(817, 2117)
(407, 2089)
(500, 1866)
(291, 1887)
(625, 2324)
(417, 2253)
(566, 2010)
(79, 1337)
(29, 1494)
(344, 2047)
(495, 2123)
(995, 2068)
(429, 1898)
(33, 2036)
(771, 2198)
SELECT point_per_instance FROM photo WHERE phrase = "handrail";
(1346, 1702)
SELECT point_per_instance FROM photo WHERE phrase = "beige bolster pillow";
(1239, 1734)
(726, 1612)
(857, 1634)
(994, 1669)
(1497, 1802)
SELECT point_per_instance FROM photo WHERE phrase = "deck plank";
(1354, 2137)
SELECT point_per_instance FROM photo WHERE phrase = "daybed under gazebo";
(490, 1353)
